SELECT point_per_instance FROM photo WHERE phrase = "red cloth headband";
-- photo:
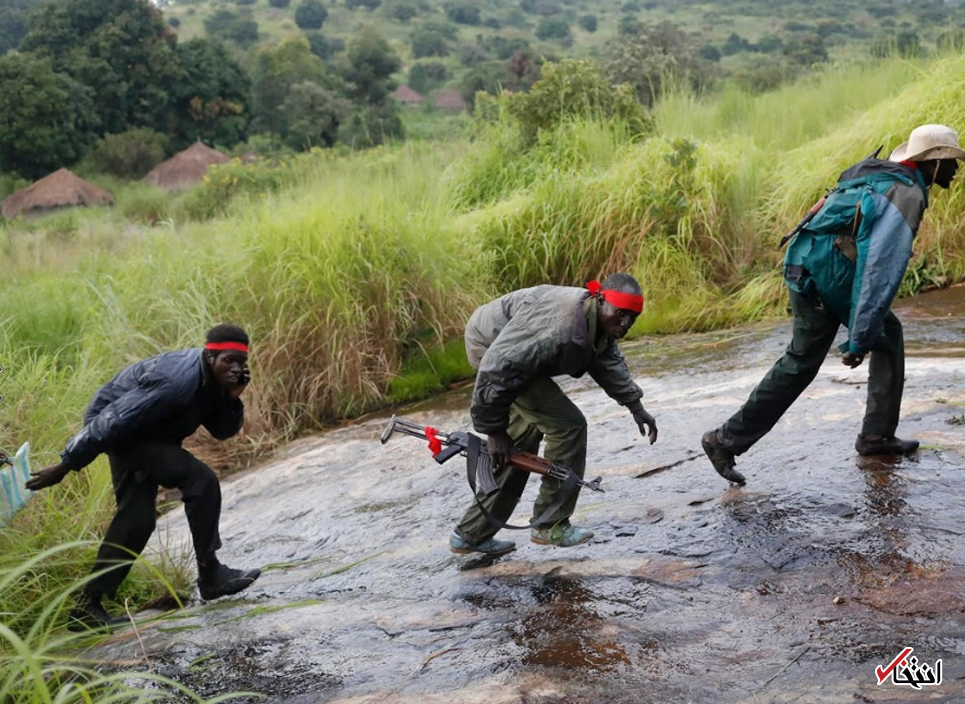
(624, 301)
(219, 346)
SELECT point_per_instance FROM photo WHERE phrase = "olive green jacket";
(534, 333)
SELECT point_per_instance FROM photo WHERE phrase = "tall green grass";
(791, 116)
(351, 273)
(40, 663)
(697, 211)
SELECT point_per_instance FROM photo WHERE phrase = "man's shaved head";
(622, 282)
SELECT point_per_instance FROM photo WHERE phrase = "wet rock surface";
(791, 589)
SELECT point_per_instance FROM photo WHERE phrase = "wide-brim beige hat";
(929, 142)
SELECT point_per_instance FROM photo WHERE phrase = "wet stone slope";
(792, 589)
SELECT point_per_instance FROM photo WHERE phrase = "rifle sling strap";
(569, 485)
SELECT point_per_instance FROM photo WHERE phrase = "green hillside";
(99, 86)
(733, 36)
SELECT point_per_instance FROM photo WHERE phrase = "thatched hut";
(61, 189)
(185, 168)
(449, 100)
(406, 95)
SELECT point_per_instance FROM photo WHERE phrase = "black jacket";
(162, 398)
(539, 332)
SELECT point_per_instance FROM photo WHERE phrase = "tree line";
(108, 76)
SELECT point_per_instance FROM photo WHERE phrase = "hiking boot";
(461, 546)
(222, 581)
(89, 615)
(721, 458)
(878, 445)
(562, 535)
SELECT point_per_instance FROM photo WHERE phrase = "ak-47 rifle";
(445, 446)
(804, 221)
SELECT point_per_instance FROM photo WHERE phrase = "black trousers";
(136, 471)
(813, 333)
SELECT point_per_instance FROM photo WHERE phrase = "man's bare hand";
(238, 388)
(852, 360)
(499, 445)
(47, 477)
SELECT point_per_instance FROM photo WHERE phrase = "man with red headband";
(517, 343)
(139, 419)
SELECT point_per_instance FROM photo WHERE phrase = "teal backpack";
(840, 212)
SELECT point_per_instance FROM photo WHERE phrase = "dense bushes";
(130, 154)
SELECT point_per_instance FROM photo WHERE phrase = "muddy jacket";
(539, 332)
(854, 252)
(162, 398)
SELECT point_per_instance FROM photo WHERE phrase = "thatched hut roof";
(450, 100)
(406, 95)
(61, 189)
(185, 168)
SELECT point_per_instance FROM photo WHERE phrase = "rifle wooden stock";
(530, 462)
(804, 221)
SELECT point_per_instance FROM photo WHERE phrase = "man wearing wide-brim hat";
(844, 267)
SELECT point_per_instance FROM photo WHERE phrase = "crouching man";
(518, 343)
(139, 419)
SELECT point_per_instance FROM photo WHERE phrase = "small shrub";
(553, 28)
(588, 22)
(230, 26)
(630, 25)
(280, 4)
(402, 11)
(544, 8)
(423, 77)
(463, 13)
(472, 54)
(11, 184)
(319, 45)
(224, 182)
(429, 40)
(310, 14)
(145, 204)
(58, 226)
(130, 154)
(574, 88)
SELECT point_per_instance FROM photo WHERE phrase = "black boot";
(216, 580)
(878, 445)
(89, 615)
(721, 458)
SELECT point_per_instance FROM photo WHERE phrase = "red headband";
(219, 346)
(624, 301)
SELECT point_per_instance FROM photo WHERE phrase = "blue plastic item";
(13, 494)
